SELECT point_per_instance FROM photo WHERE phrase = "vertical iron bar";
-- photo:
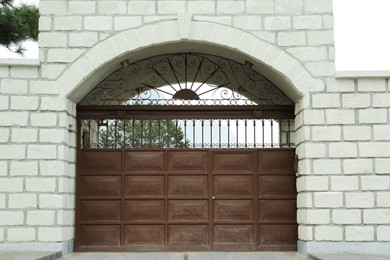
(272, 133)
(177, 136)
(185, 68)
(185, 132)
(236, 133)
(219, 135)
(159, 133)
(89, 133)
(108, 122)
(262, 122)
(202, 122)
(150, 133)
(115, 133)
(211, 133)
(288, 141)
(124, 133)
(246, 133)
(142, 133)
(280, 133)
(228, 123)
(168, 135)
(254, 133)
(193, 133)
(133, 128)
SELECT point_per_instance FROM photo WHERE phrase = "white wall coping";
(19, 62)
(362, 74)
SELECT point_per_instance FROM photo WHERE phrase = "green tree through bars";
(141, 134)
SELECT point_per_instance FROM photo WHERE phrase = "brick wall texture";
(343, 125)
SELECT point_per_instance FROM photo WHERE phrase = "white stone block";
(383, 199)
(314, 117)
(112, 7)
(52, 7)
(41, 151)
(289, 6)
(266, 36)
(2, 201)
(52, 201)
(81, 7)
(356, 100)
(23, 168)
(29, 72)
(382, 132)
(260, 7)
(41, 184)
(4, 103)
(21, 201)
(201, 7)
(359, 233)
(376, 216)
(343, 150)
(277, 23)
(358, 166)
(142, 7)
(312, 183)
(340, 85)
(328, 21)
(327, 166)
(375, 182)
(320, 37)
(66, 217)
(305, 22)
(326, 133)
(83, 39)
(171, 7)
(372, 116)
(44, 23)
(378, 149)
(247, 22)
(340, 116)
(230, 7)
(98, 23)
(315, 6)
(382, 166)
(321, 68)
(13, 86)
(11, 218)
(51, 71)
(49, 234)
(4, 135)
(309, 53)
(314, 150)
(12, 151)
(313, 216)
(20, 234)
(126, 22)
(328, 199)
(372, 84)
(381, 100)
(53, 136)
(43, 87)
(305, 233)
(291, 38)
(64, 55)
(359, 200)
(346, 216)
(326, 100)
(67, 23)
(344, 183)
(304, 200)
(52, 168)
(52, 39)
(1, 234)
(328, 233)
(355, 133)
(383, 233)
(24, 102)
(54, 103)
(43, 119)
(40, 218)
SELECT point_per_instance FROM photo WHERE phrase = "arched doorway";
(185, 151)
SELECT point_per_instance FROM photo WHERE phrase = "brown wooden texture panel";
(144, 235)
(187, 161)
(276, 162)
(277, 185)
(145, 186)
(100, 210)
(278, 235)
(144, 210)
(233, 210)
(232, 162)
(100, 235)
(188, 235)
(144, 161)
(188, 186)
(277, 211)
(188, 210)
(100, 186)
(233, 185)
(234, 234)
(100, 161)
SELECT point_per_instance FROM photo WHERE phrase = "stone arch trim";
(77, 80)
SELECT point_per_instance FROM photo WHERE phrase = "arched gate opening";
(185, 152)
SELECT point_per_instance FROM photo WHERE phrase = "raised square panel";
(100, 161)
(232, 163)
(137, 235)
(144, 210)
(233, 234)
(144, 186)
(233, 185)
(233, 210)
(188, 235)
(107, 186)
(276, 162)
(100, 235)
(274, 185)
(188, 210)
(277, 211)
(187, 162)
(143, 161)
(278, 235)
(100, 210)
(187, 186)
